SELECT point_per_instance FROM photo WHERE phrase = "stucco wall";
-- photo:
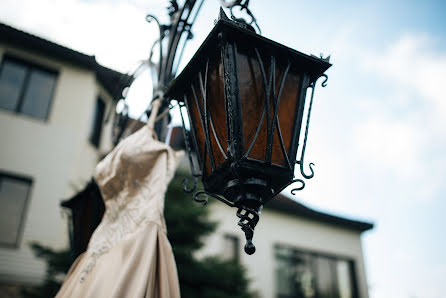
(55, 153)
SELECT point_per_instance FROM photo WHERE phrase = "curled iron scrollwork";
(201, 193)
(302, 171)
(205, 200)
(228, 4)
(248, 221)
(187, 188)
(302, 157)
(242, 5)
(293, 191)
(324, 83)
(173, 8)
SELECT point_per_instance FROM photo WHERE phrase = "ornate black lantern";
(245, 98)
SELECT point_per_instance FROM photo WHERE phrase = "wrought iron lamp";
(245, 97)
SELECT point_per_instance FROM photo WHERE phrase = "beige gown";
(129, 254)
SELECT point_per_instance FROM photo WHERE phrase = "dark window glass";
(14, 193)
(98, 119)
(26, 88)
(231, 247)
(344, 273)
(12, 78)
(303, 274)
(37, 98)
(326, 277)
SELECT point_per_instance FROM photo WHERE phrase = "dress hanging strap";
(152, 118)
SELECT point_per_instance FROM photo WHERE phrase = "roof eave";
(112, 81)
(286, 205)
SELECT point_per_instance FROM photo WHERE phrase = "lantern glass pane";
(217, 112)
(196, 126)
(210, 119)
(252, 96)
(287, 115)
(258, 110)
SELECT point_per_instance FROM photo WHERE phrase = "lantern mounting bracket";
(170, 46)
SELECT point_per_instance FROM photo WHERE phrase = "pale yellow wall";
(56, 154)
(278, 228)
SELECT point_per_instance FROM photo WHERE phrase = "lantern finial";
(222, 15)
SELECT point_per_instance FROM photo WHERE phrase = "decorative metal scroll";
(248, 221)
(242, 5)
(293, 191)
(302, 156)
(208, 194)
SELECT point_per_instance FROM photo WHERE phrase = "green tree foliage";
(58, 263)
(187, 223)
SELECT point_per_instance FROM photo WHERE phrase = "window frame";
(30, 66)
(97, 127)
(235, 243)
(317, 253)
(21, 226)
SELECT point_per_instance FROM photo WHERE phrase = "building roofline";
(113, 81)
(289, 206)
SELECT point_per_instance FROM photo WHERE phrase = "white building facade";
(300, 252)
(53, 102)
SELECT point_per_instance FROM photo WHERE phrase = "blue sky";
(378, 129)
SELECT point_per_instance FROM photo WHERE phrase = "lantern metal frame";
(241, 181)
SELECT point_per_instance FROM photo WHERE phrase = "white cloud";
(389, 145)
(380, 149)
(403, 132)
(115, 32)
(411, 63)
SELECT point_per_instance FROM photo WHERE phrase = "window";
(14, 193)
(301, 274)
(26, 88)
(231, 248)
(98, 119)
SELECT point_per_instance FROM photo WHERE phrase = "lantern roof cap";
(311, 64)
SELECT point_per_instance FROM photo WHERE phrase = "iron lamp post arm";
(179, 28)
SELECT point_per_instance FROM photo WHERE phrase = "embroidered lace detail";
(133, 180)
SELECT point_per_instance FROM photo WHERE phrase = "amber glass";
(211, 84)
(254, 102)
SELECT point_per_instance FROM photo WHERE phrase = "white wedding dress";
(129, 254)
